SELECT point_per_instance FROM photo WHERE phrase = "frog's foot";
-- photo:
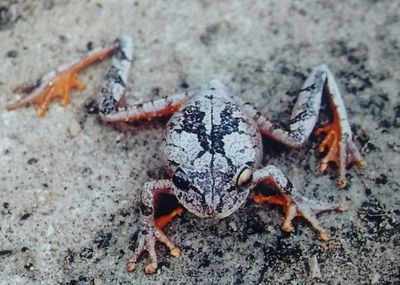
(340, 150)
(146, 241)
(305, 208)
(58, 87)
(57, 84)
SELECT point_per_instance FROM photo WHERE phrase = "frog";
(212, 147)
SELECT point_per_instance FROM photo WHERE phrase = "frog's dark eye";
(180, 180)
(244, 179)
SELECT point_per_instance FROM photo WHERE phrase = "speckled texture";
(69, 186)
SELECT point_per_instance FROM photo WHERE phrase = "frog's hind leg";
(112, 95)
(338, 144)
(149, 110)
(293, 204)
(110, 110)
(57, 84)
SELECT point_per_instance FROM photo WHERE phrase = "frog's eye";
(180, 179)
(244, 179)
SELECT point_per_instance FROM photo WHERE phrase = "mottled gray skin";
(212, 141)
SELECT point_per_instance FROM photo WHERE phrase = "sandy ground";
(69, 186)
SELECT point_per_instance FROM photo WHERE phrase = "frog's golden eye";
(244, 179)
(180, 179)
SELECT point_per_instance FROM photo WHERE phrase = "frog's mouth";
(213, 207)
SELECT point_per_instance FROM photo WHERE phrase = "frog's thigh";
(148, 110)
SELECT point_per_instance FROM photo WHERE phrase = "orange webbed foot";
(57, 88)
(57, 84)
(340, 150)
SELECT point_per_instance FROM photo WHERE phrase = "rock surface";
(69, 186)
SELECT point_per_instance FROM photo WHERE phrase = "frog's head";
(212, 193)
(211, 148)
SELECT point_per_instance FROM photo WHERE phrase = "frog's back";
(211, 132)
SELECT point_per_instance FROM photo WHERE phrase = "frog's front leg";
(150, 228)
(338, 144)
(294, 205)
